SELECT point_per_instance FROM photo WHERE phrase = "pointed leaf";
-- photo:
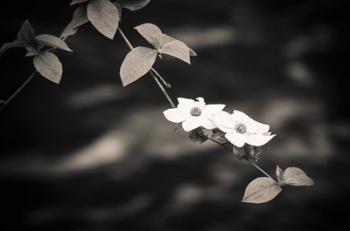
(134, 5)
(79, 18)
(26, 34)
(7, 46)
(104, 16)
(167, 39)
(74, 2)
(136, 64)
(49, 66)
(151, 33)
(261, 190)
(52, 41)
(296, 177)
(279, 174)
(176, 49)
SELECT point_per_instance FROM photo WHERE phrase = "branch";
(25, 83)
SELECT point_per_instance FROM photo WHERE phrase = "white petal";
(175, 115)
(186, 104)
(258, 140)
(200, 103)
(212, 109)
(208, 122)
(236, 139)
(253, 126)
(192, 123)
(224, 122)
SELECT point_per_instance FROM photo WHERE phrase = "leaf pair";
(140, 60)
(264, 189)
(45, 62)
(164, 43)
(103, 15)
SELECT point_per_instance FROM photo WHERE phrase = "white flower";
(241, 129)
(193, 114)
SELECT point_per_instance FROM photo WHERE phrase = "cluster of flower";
(239, 128)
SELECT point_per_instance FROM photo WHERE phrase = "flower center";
(196, 111)
(240, 128)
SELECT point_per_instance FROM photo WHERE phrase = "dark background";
(91, 155)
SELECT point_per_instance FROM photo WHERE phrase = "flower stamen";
(196, 111)
(240, 128)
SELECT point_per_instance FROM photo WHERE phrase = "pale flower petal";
(224, 121)
(208, 123)
(192, 123)
(212, 109)
(258, 140)
(237, 139)
(175, 115)
(185, 104)
(253, 126)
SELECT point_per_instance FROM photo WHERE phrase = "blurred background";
(90, 155)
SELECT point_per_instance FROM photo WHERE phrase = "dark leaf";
(7, 46)
(74, 2)
(31, 51)
(136, 64)
(104, 16)
(79, 18)
(49, 66)
(26, 34)
(261, 190)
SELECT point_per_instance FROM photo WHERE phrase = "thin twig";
(261, 170)
(251, 162)
(5, 103)
(155, 75)
(165, 93)
(168, 85)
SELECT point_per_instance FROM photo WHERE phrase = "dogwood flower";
(193, 113)
(240, 129)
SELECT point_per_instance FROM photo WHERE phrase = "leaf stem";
(155, 75)
(25, 83)
(261, 170)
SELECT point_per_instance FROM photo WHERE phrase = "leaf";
(164, 39)
(52, 41)
(151, 33)
(176, 49)
(192, 52)
(134, 5)
(296, 177)
(136, 64)
(79, 18)
(104, 16)
(7, 46)
(261, 190)
(279, 174)
(74, 2)
(49, 66)
(26, 34)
